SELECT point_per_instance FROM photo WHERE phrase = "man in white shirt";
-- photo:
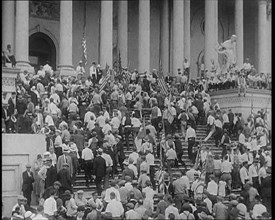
(107, 127)
(50, 207)
(88, 115)
(80, 69)
(87, 156)
(134, 156)
(101, 119)
(111, 190)
(212, 186)
(191, 138)
(114, 207)
(244, 176)
(226, 170)
(171, 208)
(93, 71)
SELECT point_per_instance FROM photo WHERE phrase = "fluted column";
(106, 33)
(187, 42)
(262, 36)
(239, 31)
(178, 35)
(8, 17)
(211, 32)
(123, 31)
(164, 38)
(66, 38)
(144, 36)
(22, 36)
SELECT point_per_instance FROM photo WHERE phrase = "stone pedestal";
(8, 80)
(255, 99)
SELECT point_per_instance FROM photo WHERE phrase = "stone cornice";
(249, 92)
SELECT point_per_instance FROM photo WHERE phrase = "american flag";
(106, 78)
(161, 81)
(84, 47)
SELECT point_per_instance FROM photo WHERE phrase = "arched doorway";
(41, 50)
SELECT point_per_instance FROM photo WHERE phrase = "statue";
(228, 48)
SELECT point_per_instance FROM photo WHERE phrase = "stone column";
(239, 31)
(106, 34)
(144, 36)
(269, 38)
(123, 31)
(262, 37)
(187, 42)
(178, 35)
(8, 16)
(22, 36)
(164, 37)
(211, 32)
(66, 39)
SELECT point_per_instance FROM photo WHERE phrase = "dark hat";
(130, 205)
(57, 183)
(112, 182)
(134, 182)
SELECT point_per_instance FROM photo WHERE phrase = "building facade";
(146, 33)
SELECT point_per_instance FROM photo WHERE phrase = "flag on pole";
(106, 77)
(84, 48)
(161, 81)
(83, 44)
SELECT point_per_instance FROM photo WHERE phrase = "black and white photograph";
(136, 109)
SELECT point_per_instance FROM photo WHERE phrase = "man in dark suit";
(99, 134)
(27, 186)
(231, 120)
(266, 193)
(99, 170)
(51, 174)
(64, 177)
(11, 111)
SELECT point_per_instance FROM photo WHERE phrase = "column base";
(24, 65)
(66, 70)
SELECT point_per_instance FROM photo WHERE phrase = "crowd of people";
(89, 128)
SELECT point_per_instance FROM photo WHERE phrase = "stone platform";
(255, 100)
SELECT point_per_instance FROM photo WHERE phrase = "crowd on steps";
(88, 127)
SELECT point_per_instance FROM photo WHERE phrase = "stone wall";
(17, 151)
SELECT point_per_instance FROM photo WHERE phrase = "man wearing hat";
(51, 174)
(99, 166)
(98, 72)
(253, 171)
(21, 200)
(65, 178)
(80, 69)
(93, 72)
(11, 112)
(55, 187)
(241, 84)
(28, 114)
(27, 186)
(5, 117)
(65, 158)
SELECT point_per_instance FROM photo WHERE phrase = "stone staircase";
(201, 133)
